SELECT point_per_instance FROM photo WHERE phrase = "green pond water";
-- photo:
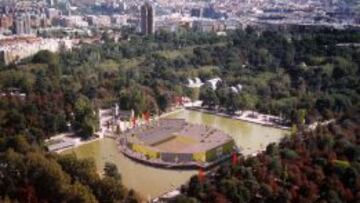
(150, 182)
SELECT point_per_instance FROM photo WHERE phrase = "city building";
(214, 82)
(6, 22)
(68, 8)
(196, 12)
(13, 49)
(52, 13)
(100, 21)
(50, 3)
(209, 25)
(73, 21)
(83, 2)
(147, 21)
(195, 83)
(22, 24)
(119, 20)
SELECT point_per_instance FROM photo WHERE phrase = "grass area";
(259, 80)
(208, 68)
(109, 65)
(168, 54)
(173, 54)
(192, 72)
(131, 63)
(10, 77)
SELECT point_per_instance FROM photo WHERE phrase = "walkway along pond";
(150, 182)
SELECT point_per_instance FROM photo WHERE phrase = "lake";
(150, 182)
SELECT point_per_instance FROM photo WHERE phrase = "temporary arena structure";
(174, 142)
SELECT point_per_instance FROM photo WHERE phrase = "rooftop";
(177, 136)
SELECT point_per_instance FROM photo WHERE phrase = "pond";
(150, 182)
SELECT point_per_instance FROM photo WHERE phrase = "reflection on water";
(248, 136)
(145, 180)
(150, 182)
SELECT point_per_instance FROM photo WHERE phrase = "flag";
(132, 119)
(143, 116)
(177, 101)
(201, 175)
(132, 113)
(158, 120)
(147, 117)
(181, 101)
(234, 159)
(139, 120)
(133, 122)
(130, 122)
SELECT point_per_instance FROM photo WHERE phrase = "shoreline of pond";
(241, 118)
(189, 108)
(250, 137)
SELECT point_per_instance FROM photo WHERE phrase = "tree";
(15, 121)
(230, 188)
(110, 190)
(246, 101)
(111, 170)
(209, 97)
(233, 102)
(83, 170)
(79, 193)
(86, 120)
(133, 99)
(45, 56)
(47, 176)
(164, 101)
(195, 187)
(183, 199)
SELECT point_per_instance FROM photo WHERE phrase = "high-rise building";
(50, 3)
(68, 8)
(82, 3)
(147, 21)
(5, 21)
(19, 25)
(196, 12)
(22, 24)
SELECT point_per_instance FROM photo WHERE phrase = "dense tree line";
(53, 93)
(318, 166)
(285, 74)
(303, 77)
(28, 174)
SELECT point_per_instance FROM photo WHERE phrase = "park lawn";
(108, 65)
(131, 63)
(176, 53)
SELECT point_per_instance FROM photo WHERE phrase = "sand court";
(176, 144)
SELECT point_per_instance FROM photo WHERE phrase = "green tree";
(86, 120)
(233, 102)
(111, 170)
(47, 57)
(209, 97)
(79, 193)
